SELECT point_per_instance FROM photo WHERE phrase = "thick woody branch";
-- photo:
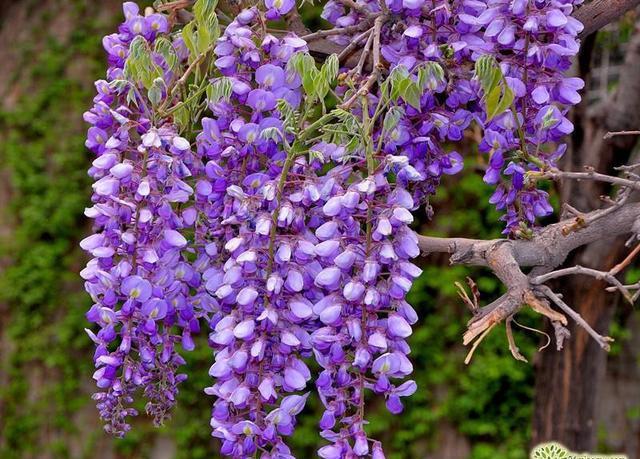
(598, 13)
(547, 249)
(544, 252)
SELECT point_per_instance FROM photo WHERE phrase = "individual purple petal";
(137, 288)
(328, 278)
(247, 296)
(555, 18)
(261, 100)
(301, 308)
(294, 379)
(269, 75)
(244, 329)
(295, 281)
(155, 308)
(174, 238)
(540, 95)
(394, 405)
(413, 4)
(455, 163)
(398, 326)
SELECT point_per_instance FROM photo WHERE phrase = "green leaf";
(411, 94)
(203, 9)
(290, 117)
(316, 155)
(399, 79)
(208, 33)
(403, 86)
(392, 118)
(189, 37)
(313, 83)
(327, 75)
(138, 47)
(430, 75)
(131, 97)
(498, 97)
(548, 120)
(488, 72)
(165, 48)
(330, 68)
(272, 133)
(155, 92)
(219, 89)
(503, 104)
(139, 66)
(182, 117)
(119, 85)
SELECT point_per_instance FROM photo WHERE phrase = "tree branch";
(603, 341)
(598, 13)
(544, 252)
(547, 249)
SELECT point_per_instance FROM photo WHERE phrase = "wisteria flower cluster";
(233, 193)
(532, 41)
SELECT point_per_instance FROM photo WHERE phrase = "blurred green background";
(50, 53)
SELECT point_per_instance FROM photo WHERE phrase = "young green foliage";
(498, 96)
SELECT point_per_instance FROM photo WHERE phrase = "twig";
(354, 44)
(540, 332)
(330, 32)
(377, 64)
(377, 30)
(355, 6)
(512, 342)
(568, 209)
(592, 175)
(603, 341)
(610, 134)
(477, 343)
(561, 334)
(183, 79)
(628, 168)
(363, 57)
(472, 304)
(624, 263)
(598, 13)
(635, 287)
(600, 275)
(175, 5)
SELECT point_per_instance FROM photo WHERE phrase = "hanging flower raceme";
(253, 234)
(533, 42)
(364, 249)
(139, 277)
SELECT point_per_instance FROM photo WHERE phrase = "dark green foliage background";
(47, 356)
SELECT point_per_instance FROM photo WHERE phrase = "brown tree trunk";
(568, 382)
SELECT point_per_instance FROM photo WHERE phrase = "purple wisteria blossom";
(139, 277)
(294, 252)
(533, 43)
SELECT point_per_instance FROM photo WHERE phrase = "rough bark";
(617, 403)
(568, 383)
(598, 13)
